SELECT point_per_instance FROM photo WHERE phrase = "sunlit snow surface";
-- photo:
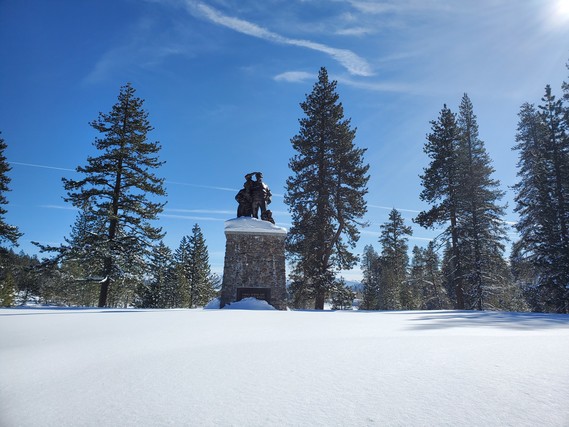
(252, 225)
(97, 367)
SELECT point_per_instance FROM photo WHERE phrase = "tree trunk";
(112, 233)
(104, 292)
(457, 268)
(319, 301)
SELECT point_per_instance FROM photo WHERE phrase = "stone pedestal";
(254, 262)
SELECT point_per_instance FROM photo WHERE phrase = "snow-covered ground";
(103, 367)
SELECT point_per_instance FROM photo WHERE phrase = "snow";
(244, 304)
(103, 367)
(252, 225)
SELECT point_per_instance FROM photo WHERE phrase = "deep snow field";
(112, 367)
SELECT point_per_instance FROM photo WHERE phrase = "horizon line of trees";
(115, 246)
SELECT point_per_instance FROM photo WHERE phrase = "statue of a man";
(245, 198)
(261, 195)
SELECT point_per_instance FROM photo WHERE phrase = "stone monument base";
(254, 262)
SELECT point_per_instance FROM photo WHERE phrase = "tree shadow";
(51, 310)
(510, 320)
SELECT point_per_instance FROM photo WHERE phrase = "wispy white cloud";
(355, 31)
(351, 61)
(146, 43)
(392, 207)
(190, 217)
(294, 76)
(375, 7)
(380, 86)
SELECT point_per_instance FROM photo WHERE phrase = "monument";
(255, 249)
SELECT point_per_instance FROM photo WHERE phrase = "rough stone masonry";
(254, 262)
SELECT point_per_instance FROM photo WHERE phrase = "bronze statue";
(244, 198)
(254, 196)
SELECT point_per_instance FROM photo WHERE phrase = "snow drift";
(97, 367)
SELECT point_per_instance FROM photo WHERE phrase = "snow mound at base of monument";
(252, 225)
(250, 304)
(214, 304)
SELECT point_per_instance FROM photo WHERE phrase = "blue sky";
(223, 80)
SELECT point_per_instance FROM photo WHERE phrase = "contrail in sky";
(34, 165)
(41, 166)
(66, 207)
(390, 208)
(202, 186)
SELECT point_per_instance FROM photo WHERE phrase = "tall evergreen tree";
(395, 292)
(459, 183)
(325, 195)
(542, 202)
(441, 188)
(118, 186)
(371, 273)
(426, 277)
(8, 233)
(482, 229)
(196, 284)
(85, 246)
(24, 271)
(342, 296)
(181, 294)
(300, 294)
(7, 290)
(200, 279)
(158, 291)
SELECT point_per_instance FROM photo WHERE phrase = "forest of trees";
(465, 205)
(115, 257)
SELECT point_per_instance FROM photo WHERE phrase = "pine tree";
(300, 294)
(157, 292)
(78, 264)
(196, 284)
(441, 182)
(542, 202)
(371, 273)
(480, 221)
(8, 233)
(7, 291)
(426, 277)
(342, 296)
(200, 279)
(24, 271)
(85, 246)
(326, 193)
(180, 296)
(466, 198)
(395, 292)
(117, 187)
(525, 278)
